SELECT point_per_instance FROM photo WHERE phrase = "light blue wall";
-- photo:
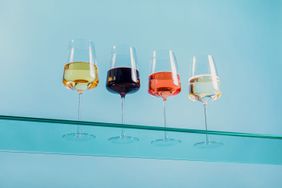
(244, 37)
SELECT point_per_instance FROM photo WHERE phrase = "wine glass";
(123, 79)
(204, 86)
(164, 81)
(80, 74)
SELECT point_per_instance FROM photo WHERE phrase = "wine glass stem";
(206, 122)
(122, 114)
(78, 113)
(78, 107)
(164, 114)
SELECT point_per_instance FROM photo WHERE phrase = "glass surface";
(35, 135)
(123, 79)
(164, 82)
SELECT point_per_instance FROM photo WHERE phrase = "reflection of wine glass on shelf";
(123, 79)
(204, 86)
(80, 74)
(164, 81)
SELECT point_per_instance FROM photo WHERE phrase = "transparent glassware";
(164, 82)
(204, 87)
(80, 74)
(123, 79)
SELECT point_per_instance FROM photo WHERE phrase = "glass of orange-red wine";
(164, 82)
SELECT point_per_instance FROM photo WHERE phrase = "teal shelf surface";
(38, 135)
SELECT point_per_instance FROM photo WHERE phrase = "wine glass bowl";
(123, 80)
(81, 71)
(164, 81)
(204, 82)
(80, 76)
(163, 85)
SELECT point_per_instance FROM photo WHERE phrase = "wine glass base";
(208, 145)
(163, 142)
(78, 136)
(123, 139)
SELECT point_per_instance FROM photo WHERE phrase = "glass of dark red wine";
(123, 79)
(164, 81)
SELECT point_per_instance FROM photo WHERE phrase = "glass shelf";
(38, 135)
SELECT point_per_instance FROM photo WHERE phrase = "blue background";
(243, 36)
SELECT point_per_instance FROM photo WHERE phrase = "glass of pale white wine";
(204, 87)
(80, 74)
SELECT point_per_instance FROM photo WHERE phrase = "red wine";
(123, 80)
(163, 84)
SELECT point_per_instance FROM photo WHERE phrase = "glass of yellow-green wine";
(80, 74)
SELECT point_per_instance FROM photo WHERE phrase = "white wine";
(204, 87)
(80, 76)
